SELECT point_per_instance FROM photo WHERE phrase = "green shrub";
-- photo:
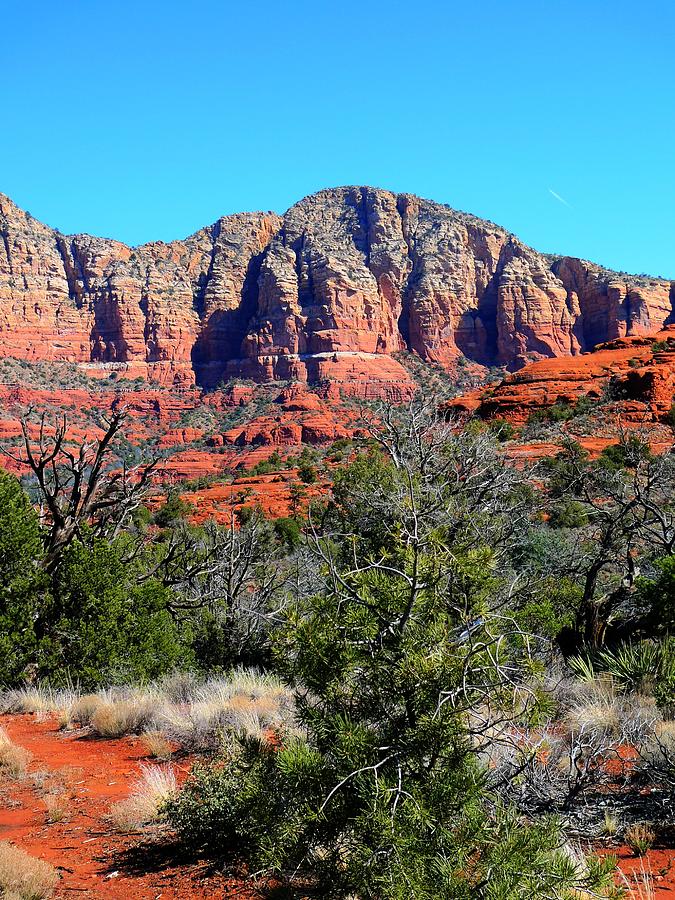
(173, 510)
(502, 429)
(568, 514)
(656, 596)
(384, 796)
(288, 531)
(627, 454)
(22, 581)
(646, 666)
(101, 625)
(307, 473)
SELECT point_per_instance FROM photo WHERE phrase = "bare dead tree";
(234, 571)
(81, 486)
(631, 516)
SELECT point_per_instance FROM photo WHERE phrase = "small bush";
(288, 531)
(307, 473)
(23, 876)
(568, 514)
(174, 509)
(224, 805)
(502, 429)
(627, 454)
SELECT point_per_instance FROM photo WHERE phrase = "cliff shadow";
(223, 330)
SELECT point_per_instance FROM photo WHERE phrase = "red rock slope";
(638, 372)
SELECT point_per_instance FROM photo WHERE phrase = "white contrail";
(559, 198)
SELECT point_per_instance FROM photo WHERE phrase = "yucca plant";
(633, 667)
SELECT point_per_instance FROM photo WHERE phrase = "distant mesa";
(329, 292)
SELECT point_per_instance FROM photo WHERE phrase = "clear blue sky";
(143, 120)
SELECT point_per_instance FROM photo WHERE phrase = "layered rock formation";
(347, 278)
(164, 311)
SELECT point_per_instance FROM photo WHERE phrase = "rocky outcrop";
(300, 416)
(636, 374)
(330, 292)
(615, 305)
(365, 272)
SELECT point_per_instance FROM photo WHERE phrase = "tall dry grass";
(179, 708)
(23, 877)
(642, 884)
(156, 785)
(40, 700)
(14, 760)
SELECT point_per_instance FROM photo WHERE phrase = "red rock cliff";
(330, 291)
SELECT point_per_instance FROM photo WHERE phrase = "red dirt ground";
(658, 863)
(92, 858)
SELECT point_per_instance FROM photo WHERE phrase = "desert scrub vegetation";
(381, 688)
(91, 595)
(183, 709)
(405, 667)
(639, 837)
(24, 877)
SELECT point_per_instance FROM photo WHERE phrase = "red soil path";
(93, 859)
(658, 863)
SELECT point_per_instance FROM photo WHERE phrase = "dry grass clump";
(157, 745)
(592, 703)
(639, 837)
(82, 711)
(657, 752)
(115, 718)
(57, 808)
(156, 785)
(598, 706)
(23, 877)
(600, 715)
(40, 700)
(247, 703)
(178, 687)
(610, 824)
(14, 760)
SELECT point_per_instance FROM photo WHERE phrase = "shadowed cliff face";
(344, 280)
